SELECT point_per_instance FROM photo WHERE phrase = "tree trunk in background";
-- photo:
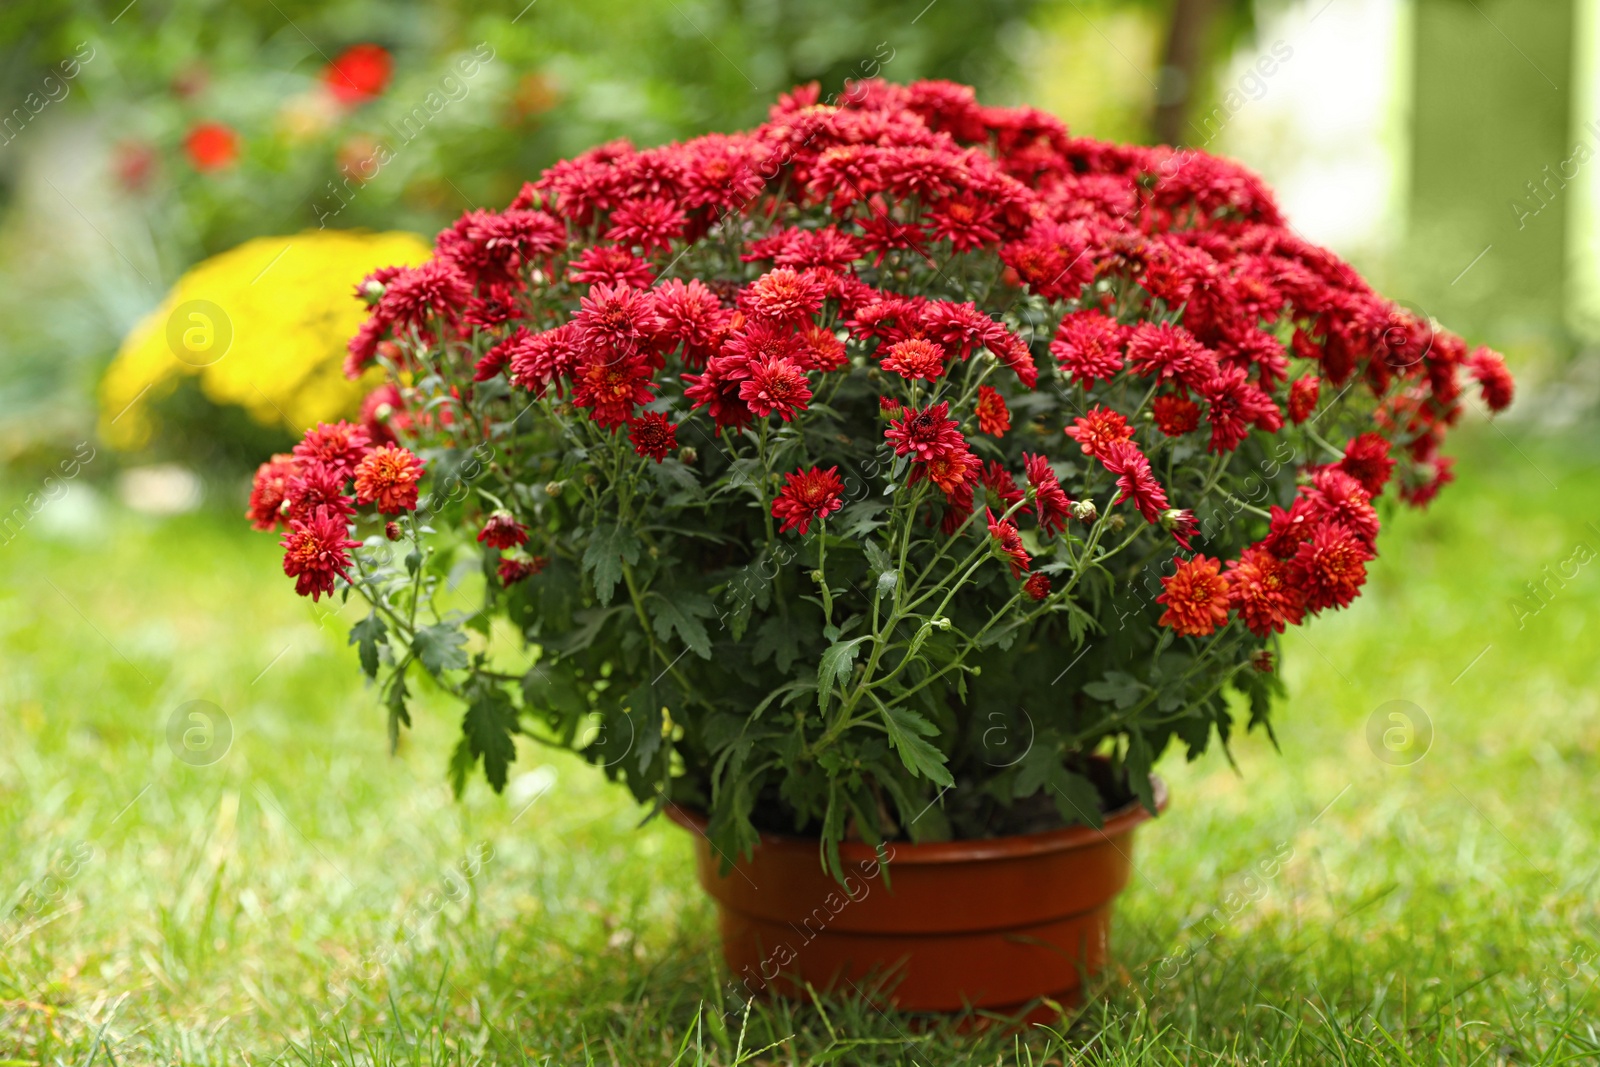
(1493, 158)
(1183, 64)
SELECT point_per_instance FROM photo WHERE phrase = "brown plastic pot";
(992, 924)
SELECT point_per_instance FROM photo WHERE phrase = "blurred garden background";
(304, 897)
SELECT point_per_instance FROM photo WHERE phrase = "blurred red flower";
(134, 163)
(359, 73)
(211, 146)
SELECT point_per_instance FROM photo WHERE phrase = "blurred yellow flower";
(264, 327)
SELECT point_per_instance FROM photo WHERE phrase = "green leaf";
(395, 700)
(556, 696)
(1116, 688)
(682, 612)
(774, 639)
(487, 728)
(609, 546)
(671, 474)
(906, 732)
(860, 519)
(440, 647)
(788, 693)
(1035, 770)
(835, 667)
(1137, 763)
(367, 635)
(1077, 800)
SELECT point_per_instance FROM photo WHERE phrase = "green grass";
(291, 902)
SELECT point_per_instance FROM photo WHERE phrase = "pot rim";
(1117, 824)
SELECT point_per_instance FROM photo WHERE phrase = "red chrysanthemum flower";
(1336, 495)
(1013, 351)
(963, 220)
(1175, 414)
(888, 405)
(1419, 491)
(820, 349)
(538, 361)
(359, 73)
(502, 530)
(950, 470)
(1290, 528)
(1009, 541)
(515, 566)
(1303, 398)
(1181, 524)
(915, 358)
(652, 435)
(808, 496)
(998, 481)
(387, 477)
(1367, 460)
(758, 341)
(717, 390)
(1332, 566)
(338, 446)
(1196, 597)
(612, 386)
(615, 317)
(1037, 586)
(776, 385)
(315, 552)
(1097, 431)
(269, 490)
(1135, 479)
(994, 418)
(923, 433)
(614, 266)
(1489, 369)
(315, 488)
(960, 327)
(650, 223)
(783, 295)
(1234, 405)
(1088, 346)
(1169, 353)
(1261, 588)
(1050, 501)
(689, 314)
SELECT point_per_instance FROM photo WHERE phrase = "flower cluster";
(985, 380)
(305, 493)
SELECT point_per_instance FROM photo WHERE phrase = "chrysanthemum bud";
(371, 291)
(816, 576)
(591, 479)
(1262, 661)
(554, 488)
(1084, 511)
(941, 623)
(383, 412)
(391, 530)
(688, 456)
(1117, 522)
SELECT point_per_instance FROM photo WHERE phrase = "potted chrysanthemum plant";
(879, 493)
